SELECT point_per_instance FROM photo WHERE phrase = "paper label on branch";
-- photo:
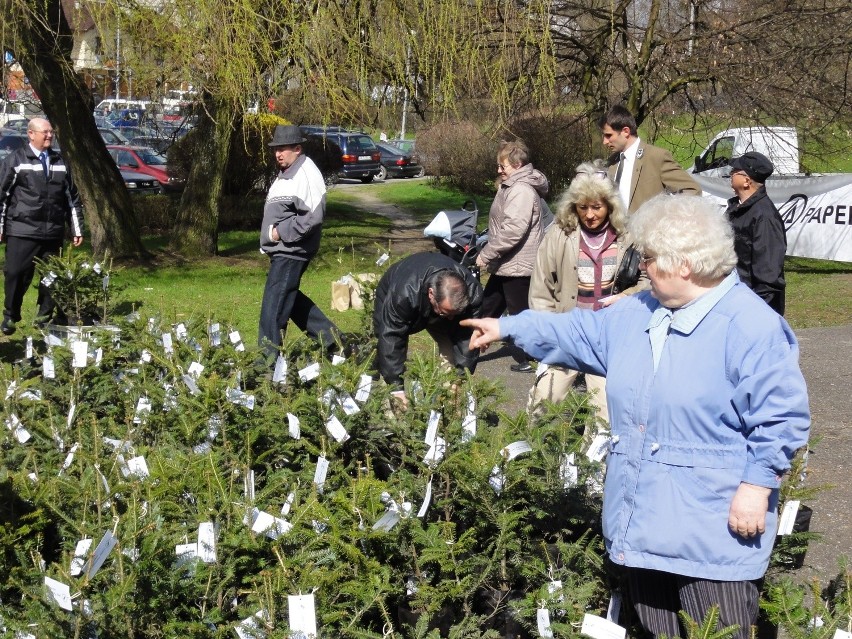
(788, 516)
(81, 353)
(336, 429)
(168, 345)
(236, 396)
(252, 627)
(384, 257)
(842, 634)
(468, 428)
(543, 619)
(237, 341)
(328, 397)
(53, 340)
(436, 451)
(143, 409)
(207, 542)
(337, 360)
(279, 375)
(136, 467)
(145, 356)
(104, 548)
(288, 503)
(186, 553)
(10, 390)
(59, 592)
(303, 617)
(497, 480)
(613, 611)
(320, 473)
(80, 552)
(49, 279)
(99, 356)
(293, 426)
(189, 380)
(69, 458)
(195, 369)
(180, 332)
(514, 449)
(18, 431)
(599, 448)
(248, 485)
(387, 521)
(347, 403)
(365, 385)
(427, 499)
(599, 628)
(215, 334)
(553, 587)
(32, 395)
(309, 372)
(432, 427)
(47, 368)
(568, 471)
(28, 351)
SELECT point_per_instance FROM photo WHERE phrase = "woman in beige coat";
(576, 266)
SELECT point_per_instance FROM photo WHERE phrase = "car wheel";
(366, 180)
(383, 174)
(421, 172)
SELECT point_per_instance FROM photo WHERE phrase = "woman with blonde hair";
(576, 267)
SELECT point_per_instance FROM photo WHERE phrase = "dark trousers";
(19, 269)
(658, 596)
(283, 301)
(504, 294)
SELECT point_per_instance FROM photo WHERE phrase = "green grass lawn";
(229, 287)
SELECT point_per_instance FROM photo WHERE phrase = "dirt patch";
(405, 233)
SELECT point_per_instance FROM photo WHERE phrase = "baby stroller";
(454, 234)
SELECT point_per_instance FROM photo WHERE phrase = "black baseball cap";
(756, 165)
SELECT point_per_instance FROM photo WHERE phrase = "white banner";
(817, 212)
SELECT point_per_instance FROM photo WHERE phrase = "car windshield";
(150, 156)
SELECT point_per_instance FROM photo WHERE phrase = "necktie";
(43, 157)
(620, 169)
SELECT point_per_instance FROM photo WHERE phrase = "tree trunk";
(196, 230)
(45, 41)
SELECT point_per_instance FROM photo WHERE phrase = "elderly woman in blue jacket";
(707, 405)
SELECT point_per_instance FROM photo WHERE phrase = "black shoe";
(8, 327)
(522, 367)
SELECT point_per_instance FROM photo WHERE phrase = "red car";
(143, 159)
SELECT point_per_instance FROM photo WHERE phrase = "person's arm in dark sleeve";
(769, 245)
(7, 180)
(392, 332)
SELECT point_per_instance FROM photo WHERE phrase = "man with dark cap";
(759, 238)
(290, 235)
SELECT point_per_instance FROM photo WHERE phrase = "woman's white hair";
(591, 183)
(685, 230)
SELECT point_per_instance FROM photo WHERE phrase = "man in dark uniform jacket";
(424, 291)
(759, 237)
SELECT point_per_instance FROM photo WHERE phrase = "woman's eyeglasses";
(646, 259)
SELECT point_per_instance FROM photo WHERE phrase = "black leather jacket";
(402, 308)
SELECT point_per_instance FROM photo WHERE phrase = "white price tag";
(543, 618)
(279, 375)
(143, 409)
(337, 360)
(309, 372)
(568, 471)
(384, 257)
(14, 424)
(69, 458)
(387, 521)
(303, 617)
(293, 426)
(252, 627)
(136, 467)
(59, 592)
(195, 369)
(215, 334)
(347, 403)
(80, 552)
(207, 542)
(336, 429)
(47, 368)
(788, 516)
(497, 480)
(81, 353)
(599, 448)
(29, 348)
(189, 380)
(436, 451)
(427, 499)
(105, 546)
(320, 473)
(180, 332)
(237, 341)
(365, 385)
(599, 628)
(613, 611)
(842, 634)
(432, 427)
(168, 345)
(186, 553)
(288, 503)
(514, 449)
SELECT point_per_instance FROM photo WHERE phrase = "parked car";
(112, 136)
(146, 160)
(397, 163)
(405, 145)
(17, 125)
(140, 183)
(11, 141)
(359, 154)
(160, 145)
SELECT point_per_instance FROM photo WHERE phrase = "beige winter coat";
(514, 224)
